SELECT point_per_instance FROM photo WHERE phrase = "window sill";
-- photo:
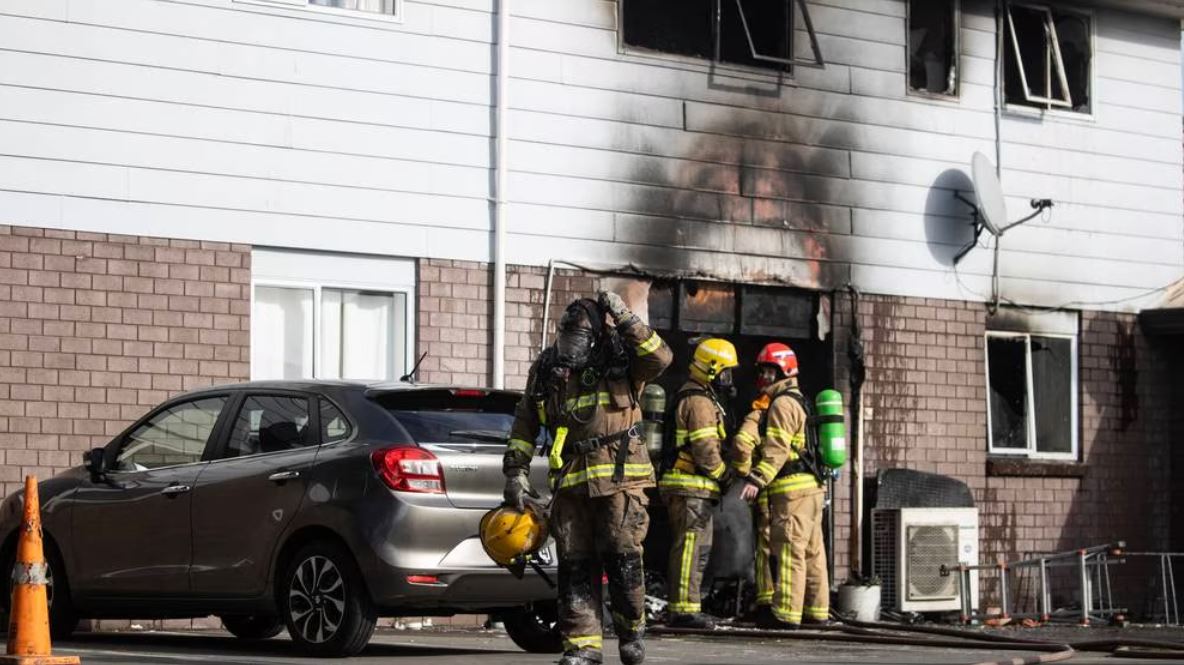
(1032, 113)
(762, 75)
(1006, 467)
(331, 14)
(915, 95)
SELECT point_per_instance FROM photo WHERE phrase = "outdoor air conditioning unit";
(909, 548)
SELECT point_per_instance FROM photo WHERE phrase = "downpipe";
(857, 374)
(501, 143)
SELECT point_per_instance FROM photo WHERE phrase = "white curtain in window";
(281, 333)
(380, 6)
(362, 334)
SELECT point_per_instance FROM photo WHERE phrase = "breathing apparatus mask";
(581, 331)
(724, 385)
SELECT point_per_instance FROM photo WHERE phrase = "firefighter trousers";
(764, 576)
(597, 537)
(798, 563)
(690, 548)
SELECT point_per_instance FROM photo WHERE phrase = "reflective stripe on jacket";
(608, 407)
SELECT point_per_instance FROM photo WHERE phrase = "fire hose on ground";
(951, 638)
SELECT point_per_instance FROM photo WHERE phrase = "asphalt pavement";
(491, 648)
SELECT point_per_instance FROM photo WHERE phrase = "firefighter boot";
(580, 658)
(697, 621)
(771, 622)
(632, 650)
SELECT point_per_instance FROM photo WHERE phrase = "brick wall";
(926, 398)
(95, 329)
(456, 306)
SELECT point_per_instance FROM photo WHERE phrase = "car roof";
(323, 385)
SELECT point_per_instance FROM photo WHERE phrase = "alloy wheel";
(316, 599)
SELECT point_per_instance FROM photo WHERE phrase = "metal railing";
(1167, 576)
(1093, 580)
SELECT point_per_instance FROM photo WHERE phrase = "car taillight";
(409, 470)
(468, 392)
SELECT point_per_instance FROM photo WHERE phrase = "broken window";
(707, 307)
(1048, 58)
(661, 305)
(774, 312)
(933, 46)
(758, 33)
(1031, 394)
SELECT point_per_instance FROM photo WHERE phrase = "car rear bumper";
(428, 557)
(461, 591)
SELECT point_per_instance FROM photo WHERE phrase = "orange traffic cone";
(28, 625)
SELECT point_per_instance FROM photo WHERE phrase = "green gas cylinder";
(832, 431)
(653, 413)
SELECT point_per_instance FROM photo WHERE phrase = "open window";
(757, 33)
(1048, 58)
(1032, 395)
(933, 47)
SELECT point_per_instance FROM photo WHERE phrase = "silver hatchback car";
(314, 505)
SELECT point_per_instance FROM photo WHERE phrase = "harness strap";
(595, 443)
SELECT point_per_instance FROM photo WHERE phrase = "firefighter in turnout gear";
(785, 482)
(745, 453)
(584, 391)
(696, 476)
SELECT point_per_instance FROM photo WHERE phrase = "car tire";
(63, 618)
(324, 602)
(535, 628)
(254, 626)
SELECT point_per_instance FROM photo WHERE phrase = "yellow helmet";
(509, 535)
(712, 356)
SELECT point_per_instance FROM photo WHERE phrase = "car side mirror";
(95, 461)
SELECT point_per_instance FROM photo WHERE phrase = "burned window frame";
(956, 92)
(786, 65)
(1032, 451)
(1011, 50)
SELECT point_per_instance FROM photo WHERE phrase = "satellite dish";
(992, 210)
(989, 209)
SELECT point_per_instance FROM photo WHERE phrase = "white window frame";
(714, 63)
(1031, 451)
(1011, 44)
(333, 13)
(957, 64)
(316, 271)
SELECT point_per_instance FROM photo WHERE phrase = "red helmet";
(781, 356)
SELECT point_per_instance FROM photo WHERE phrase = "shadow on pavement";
(218, 644)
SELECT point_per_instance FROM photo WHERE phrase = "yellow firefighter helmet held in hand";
(712, 356)
(509, 535)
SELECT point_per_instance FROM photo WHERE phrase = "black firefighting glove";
(517, 489)
(727, 480)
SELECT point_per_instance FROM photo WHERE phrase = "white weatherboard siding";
(234, 121)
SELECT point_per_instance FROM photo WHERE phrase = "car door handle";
(175, 490)
(283, 476)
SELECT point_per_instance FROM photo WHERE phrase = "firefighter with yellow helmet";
(584, 390)
(694, 475)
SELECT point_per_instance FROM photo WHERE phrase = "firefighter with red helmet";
(792, 584)
(584, 391)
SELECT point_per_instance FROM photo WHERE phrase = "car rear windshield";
(447, 416)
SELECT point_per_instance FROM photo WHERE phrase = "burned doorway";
(749, 316)
(684, 312)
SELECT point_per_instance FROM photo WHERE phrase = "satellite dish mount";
(989, 211)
